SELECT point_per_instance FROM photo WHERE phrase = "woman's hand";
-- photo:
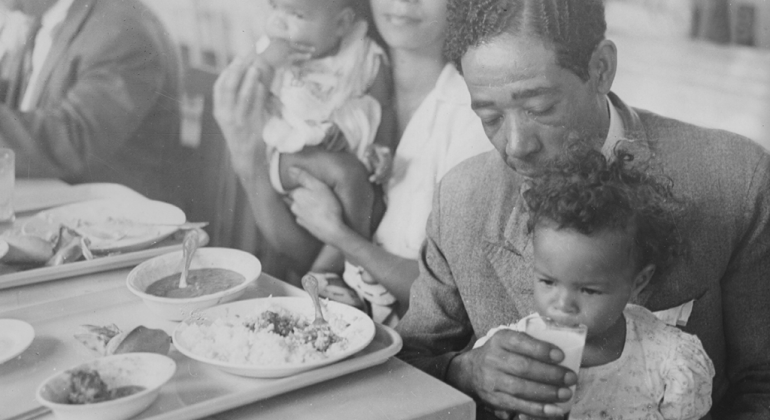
(316, 208)
(239, 108)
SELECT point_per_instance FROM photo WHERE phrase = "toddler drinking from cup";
(601, 232)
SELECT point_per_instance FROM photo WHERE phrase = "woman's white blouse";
(443, 132)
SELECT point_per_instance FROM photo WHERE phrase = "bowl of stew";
(114, 387)
(216, 275)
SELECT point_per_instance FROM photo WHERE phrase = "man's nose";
(521, 140)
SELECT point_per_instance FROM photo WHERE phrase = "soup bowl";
(149, 371)
(177, 309)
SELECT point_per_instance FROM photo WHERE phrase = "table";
(393, 390)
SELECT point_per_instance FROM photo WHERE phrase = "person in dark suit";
(93, 94)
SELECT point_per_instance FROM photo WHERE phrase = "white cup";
(571, 341)
(7, 177)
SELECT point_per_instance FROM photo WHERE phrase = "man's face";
(528, 104)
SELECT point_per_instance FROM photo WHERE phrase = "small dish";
(15, 337)
(148, 370)
(177, 309)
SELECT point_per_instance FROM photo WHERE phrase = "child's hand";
(279, 52)
(380, 163)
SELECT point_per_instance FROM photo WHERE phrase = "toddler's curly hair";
(585, 192)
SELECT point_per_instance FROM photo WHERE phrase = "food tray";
(102, 263)
(196, 390)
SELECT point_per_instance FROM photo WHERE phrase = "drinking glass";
(7, 177)
(570, 339)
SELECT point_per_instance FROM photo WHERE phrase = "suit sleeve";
(436, 327)
(746, 310)
(114, 86)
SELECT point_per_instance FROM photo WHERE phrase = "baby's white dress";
(313, 96)
(663, 373)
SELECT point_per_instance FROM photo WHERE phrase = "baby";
(601, 232)
(330, 112)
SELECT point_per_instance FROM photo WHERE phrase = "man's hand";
(514, 373)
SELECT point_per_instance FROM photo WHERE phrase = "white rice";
(238, 340)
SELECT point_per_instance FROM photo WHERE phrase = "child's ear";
(642, 279)
(345, 21)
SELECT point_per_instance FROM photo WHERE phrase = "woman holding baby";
(434, 129)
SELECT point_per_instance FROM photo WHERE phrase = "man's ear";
(345, 21)
(642, 279)
(603, 64)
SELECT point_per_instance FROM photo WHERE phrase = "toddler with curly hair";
(601, 232)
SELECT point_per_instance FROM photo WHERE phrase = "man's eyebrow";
(531, 93)
(481, 104)
(518, 95)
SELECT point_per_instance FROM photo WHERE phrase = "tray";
(195, 391)
(101, 263)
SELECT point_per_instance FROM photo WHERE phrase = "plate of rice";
(273, 337)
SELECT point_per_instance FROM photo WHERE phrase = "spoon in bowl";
(189, 245)
(310, 284)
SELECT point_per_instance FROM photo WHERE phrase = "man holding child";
(540, 75)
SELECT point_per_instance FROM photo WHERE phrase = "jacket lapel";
(510, 255)
(76, 16)
(632, 125)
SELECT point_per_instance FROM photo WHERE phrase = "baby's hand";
(380, 162)
(278, 52)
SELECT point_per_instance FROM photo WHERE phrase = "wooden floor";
(703, 83)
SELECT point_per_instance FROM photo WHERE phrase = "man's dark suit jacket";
(106, 105)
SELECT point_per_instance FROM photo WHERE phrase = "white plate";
(15, 337)
(111, 224)
(302, 306)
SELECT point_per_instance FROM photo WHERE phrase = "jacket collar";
(506, 245)
(632, 124)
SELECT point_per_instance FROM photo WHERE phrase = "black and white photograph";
(385, 209)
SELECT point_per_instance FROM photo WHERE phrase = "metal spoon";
(31, 414)
(310, 284)
(189, 245)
